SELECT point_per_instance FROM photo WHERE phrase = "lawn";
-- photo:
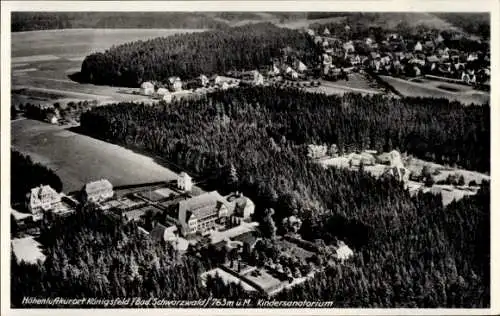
(78, 159)
(45, 59)
(27, 249)
(431, 89)
(80, 42)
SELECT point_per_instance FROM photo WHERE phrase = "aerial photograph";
(249, 159)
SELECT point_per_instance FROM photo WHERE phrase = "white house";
(326, 32)
(472, 57)
(175, 83)
(97, 191)
(167, 97)
(203, 80)
(344, 252)
(310, 32)
(184, 182)
(418, 47)
(147, 88)
(327, 59)
(42, 199)
(258, 79)
(348, 47)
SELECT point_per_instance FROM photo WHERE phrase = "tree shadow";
(77, 77)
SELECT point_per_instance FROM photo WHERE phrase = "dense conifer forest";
(27, 174)
(189, 55)
(409, 251)
(91, 254)
(419, 255)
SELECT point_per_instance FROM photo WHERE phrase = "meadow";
(78, 159)
(45, 60)
(436, 89)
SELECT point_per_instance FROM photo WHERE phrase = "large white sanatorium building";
(42, 199)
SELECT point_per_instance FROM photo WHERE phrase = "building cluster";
(44, 200)
(176, 89)
(179, 209)
(426, 54)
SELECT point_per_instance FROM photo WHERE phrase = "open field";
(429, 88)
(45, 59)
(27, 249)
(80, 42)
(78, 159)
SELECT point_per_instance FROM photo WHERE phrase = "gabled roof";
(42, 190)
(202, 205)
(432, 59)
(147, 85)
(184, 175)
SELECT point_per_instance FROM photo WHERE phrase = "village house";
(203, 80)
(184, 182)
(175, 84)
(147, 88)
(348, 47)
(241, 205)
(169, 234)
(299, 66)
(202, 213)
(97, 191)
(418, 47)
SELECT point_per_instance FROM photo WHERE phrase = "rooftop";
(98, 185)
(203, 204)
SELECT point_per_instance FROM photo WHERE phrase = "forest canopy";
(27, 174)
(189, 55)
(408, 251)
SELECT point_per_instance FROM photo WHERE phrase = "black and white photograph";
(242, 159)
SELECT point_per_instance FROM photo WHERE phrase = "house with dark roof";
(243, 207)
(161, 232)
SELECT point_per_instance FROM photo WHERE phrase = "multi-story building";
(97, 191)
(42, 199)
(202, 213)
